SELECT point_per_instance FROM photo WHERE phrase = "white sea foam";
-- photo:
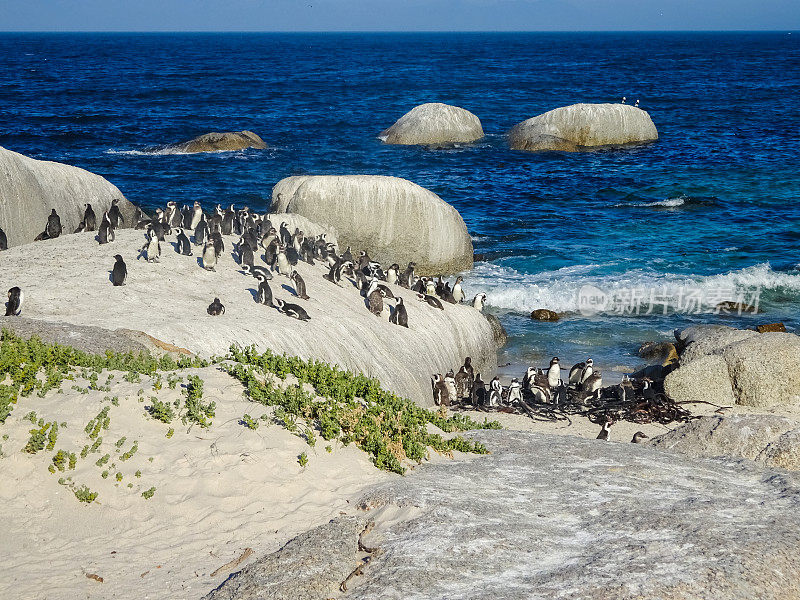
(559, 290)
(175, 151)
(668, 203)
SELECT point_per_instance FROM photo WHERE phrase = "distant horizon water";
(709, 209)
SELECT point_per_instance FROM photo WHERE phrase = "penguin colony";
(544, 395)
(277, 248)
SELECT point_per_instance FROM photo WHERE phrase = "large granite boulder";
(30, 189)
(66, 280)
(434, 124)
(582, 127)
(761, 370)
(393, 219)
(560, 517)
(221, 142)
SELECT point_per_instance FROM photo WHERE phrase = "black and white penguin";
(431, 300)
(152, 247)
(375, 302)
(604, 432)
(53, 229)
(186, 217)
(514, 392)
(3, 240)
(336, 271)
(463, 387)
(299, 285)
(209, 257)
(639, 437)
(637, 103)
(554, 373)
(264, 291)
(393, 274)
(142, 220)
(450, 382)
(183, 246)
(292, 310)
(479, 301)
(89, 219)
(170, 212)
(399, 315)
(648, 393)
(479, 397)
(201, 231)
(495, 392)
(624, 98)
(257, 271)
(457, 292)
(580, 372)
(219, 244)
(428, 287)
(282, 262)
(115, 214)
(470, 370)
(407, 277)
(120, 271)
(441, 396)
(246, 257)
(227, 221)
(197, 215)
(593, 383)
(80, 228)
(14, 304)
(106, 232)
(216, 308)
(285, 234)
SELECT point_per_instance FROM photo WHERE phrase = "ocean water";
(709, 212)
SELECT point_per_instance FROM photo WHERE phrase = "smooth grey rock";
(703, 380)
(220, 142)
(738, 436)
(309, 567)
(434, 124)
(709, 339)
(783, 453)
(557, 517)
(584, 126)
(30, 189)
(393, 219)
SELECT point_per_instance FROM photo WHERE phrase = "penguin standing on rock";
(209, 257)
(399, 316)
(183, 245)
(458, 293)
(120, 271)
(479, 301)
(89, 219)
(299, 285)
(375, 302)
(106, 232)
(216, 308)
(14, 304)
(580, 372)
(441, 396)
(152, 248)
(115, 214)
(495, 392)
(639, 437)
(478, 395)
(264, 291)
(554, 373)
(292, 310)
(604, 432)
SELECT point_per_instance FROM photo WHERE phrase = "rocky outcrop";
(543, 314)
(618, 521)
(582, 127)
(393, 219)
(30, 189)
(66, 280)
(220, 142)
(434, 124)
(720, 364)
(771, 440)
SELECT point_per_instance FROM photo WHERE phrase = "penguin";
(439, 287)
(577, 371)
(14, 304)
(257, 271)
(593, 384)
(115, 214)
(307, 251)
(458, 293)
(216, 308)
(80, 228)
(285, 235)
(432, 300)
(106, 232)
(120, 271)
(219, 245)
(648, 393)
(479, 301)
(478, 391)
(348, 255)
(639, 437)
(201, 232)
(3, 240)
(514, 392)
(282, 262)
(292, 256)
(495, 392)
(393, 274)
(637, 103)
(604, 432)
(407, 278)
(430, 286)
(157, 228)
(152, 248)
(470, 371)
(624, 98)
(209, 257)
(375, 302)
(249, 239)
(183, 246)
(53, 229)
(626, 388)
(450, 382)
(463, 387)
(246, 258)
(89, 219)
(271, 252)
(335, 273)
(399, 316)
(142, 220)
(375, 284)
(299, 285)
(170, 212)
(186, 217)
(293, 310)
(264, 291)
(197, 215)
(227, 221)
(441, 396)
(554, 373)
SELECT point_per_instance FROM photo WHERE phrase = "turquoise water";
(710, 209)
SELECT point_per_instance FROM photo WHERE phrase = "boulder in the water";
(583, 127)
(221, 142)
(393, 219)
(543, 314)
(434, 124)
(771, 327)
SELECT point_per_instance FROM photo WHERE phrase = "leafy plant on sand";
(196, 411)
(160, 411)
(84, 494)
(351, 409)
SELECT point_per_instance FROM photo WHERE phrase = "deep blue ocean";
(709, 212)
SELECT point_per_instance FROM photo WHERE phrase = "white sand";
(218, 492)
